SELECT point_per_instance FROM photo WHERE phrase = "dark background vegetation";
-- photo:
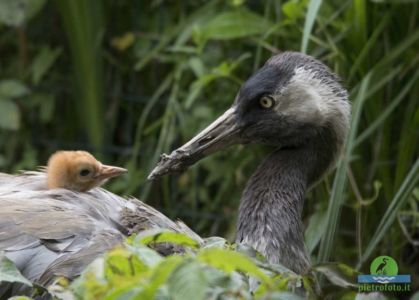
(129, 80)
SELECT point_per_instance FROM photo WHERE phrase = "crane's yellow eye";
(266, 102)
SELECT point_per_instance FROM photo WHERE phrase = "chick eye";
(84, 172)
(266, 102)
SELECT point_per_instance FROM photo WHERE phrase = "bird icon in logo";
(381, 267)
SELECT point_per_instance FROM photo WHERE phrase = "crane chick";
(78, 171)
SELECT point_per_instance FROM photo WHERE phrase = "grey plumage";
(49, 233)
(305, 115)
(58, 232)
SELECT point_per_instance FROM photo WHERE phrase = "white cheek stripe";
(307, 98)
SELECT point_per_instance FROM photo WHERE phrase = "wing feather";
(49, 233)
(55, 232)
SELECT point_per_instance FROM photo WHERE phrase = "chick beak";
(107, 172)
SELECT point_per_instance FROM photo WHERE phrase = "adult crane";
(294, 102)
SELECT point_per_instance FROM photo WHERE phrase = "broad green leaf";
(187, 281)
(158, 277)
(218, 278)
(169, 237)
(121, 262)
(12, 89)
(234, 24)
(43, 62)
(9, 272)
(146, 255)
(230, 261)
(9, 115)
(124, 291)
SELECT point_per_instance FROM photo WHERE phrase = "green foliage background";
(129, 80)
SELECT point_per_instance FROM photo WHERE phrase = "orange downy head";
(78, 171)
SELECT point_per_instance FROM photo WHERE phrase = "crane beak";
(107, 172)
(220, 134)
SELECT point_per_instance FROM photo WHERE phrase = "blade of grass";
(82, 23)
(360, 8)
(408, 142)
(401, 197)
(367, 48)
(399, 49)
(339, 185)
(313, 9)
(389, 109)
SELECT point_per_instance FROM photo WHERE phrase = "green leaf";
(313, 9)
(145, 254)
(315, 229)
(234, 24)
(230, 261)
(158, 277)
(12, 89)
(12, 12)
(218, 278)
(9, 272)
(120, 262)
(43, 62)
(197, 66)
(339, 274)
(169, 237)
(187, 281)
(16, 12)
(9, 115)
(294, 9)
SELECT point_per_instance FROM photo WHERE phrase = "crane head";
(293, 101)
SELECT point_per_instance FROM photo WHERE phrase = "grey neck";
(272, 202)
